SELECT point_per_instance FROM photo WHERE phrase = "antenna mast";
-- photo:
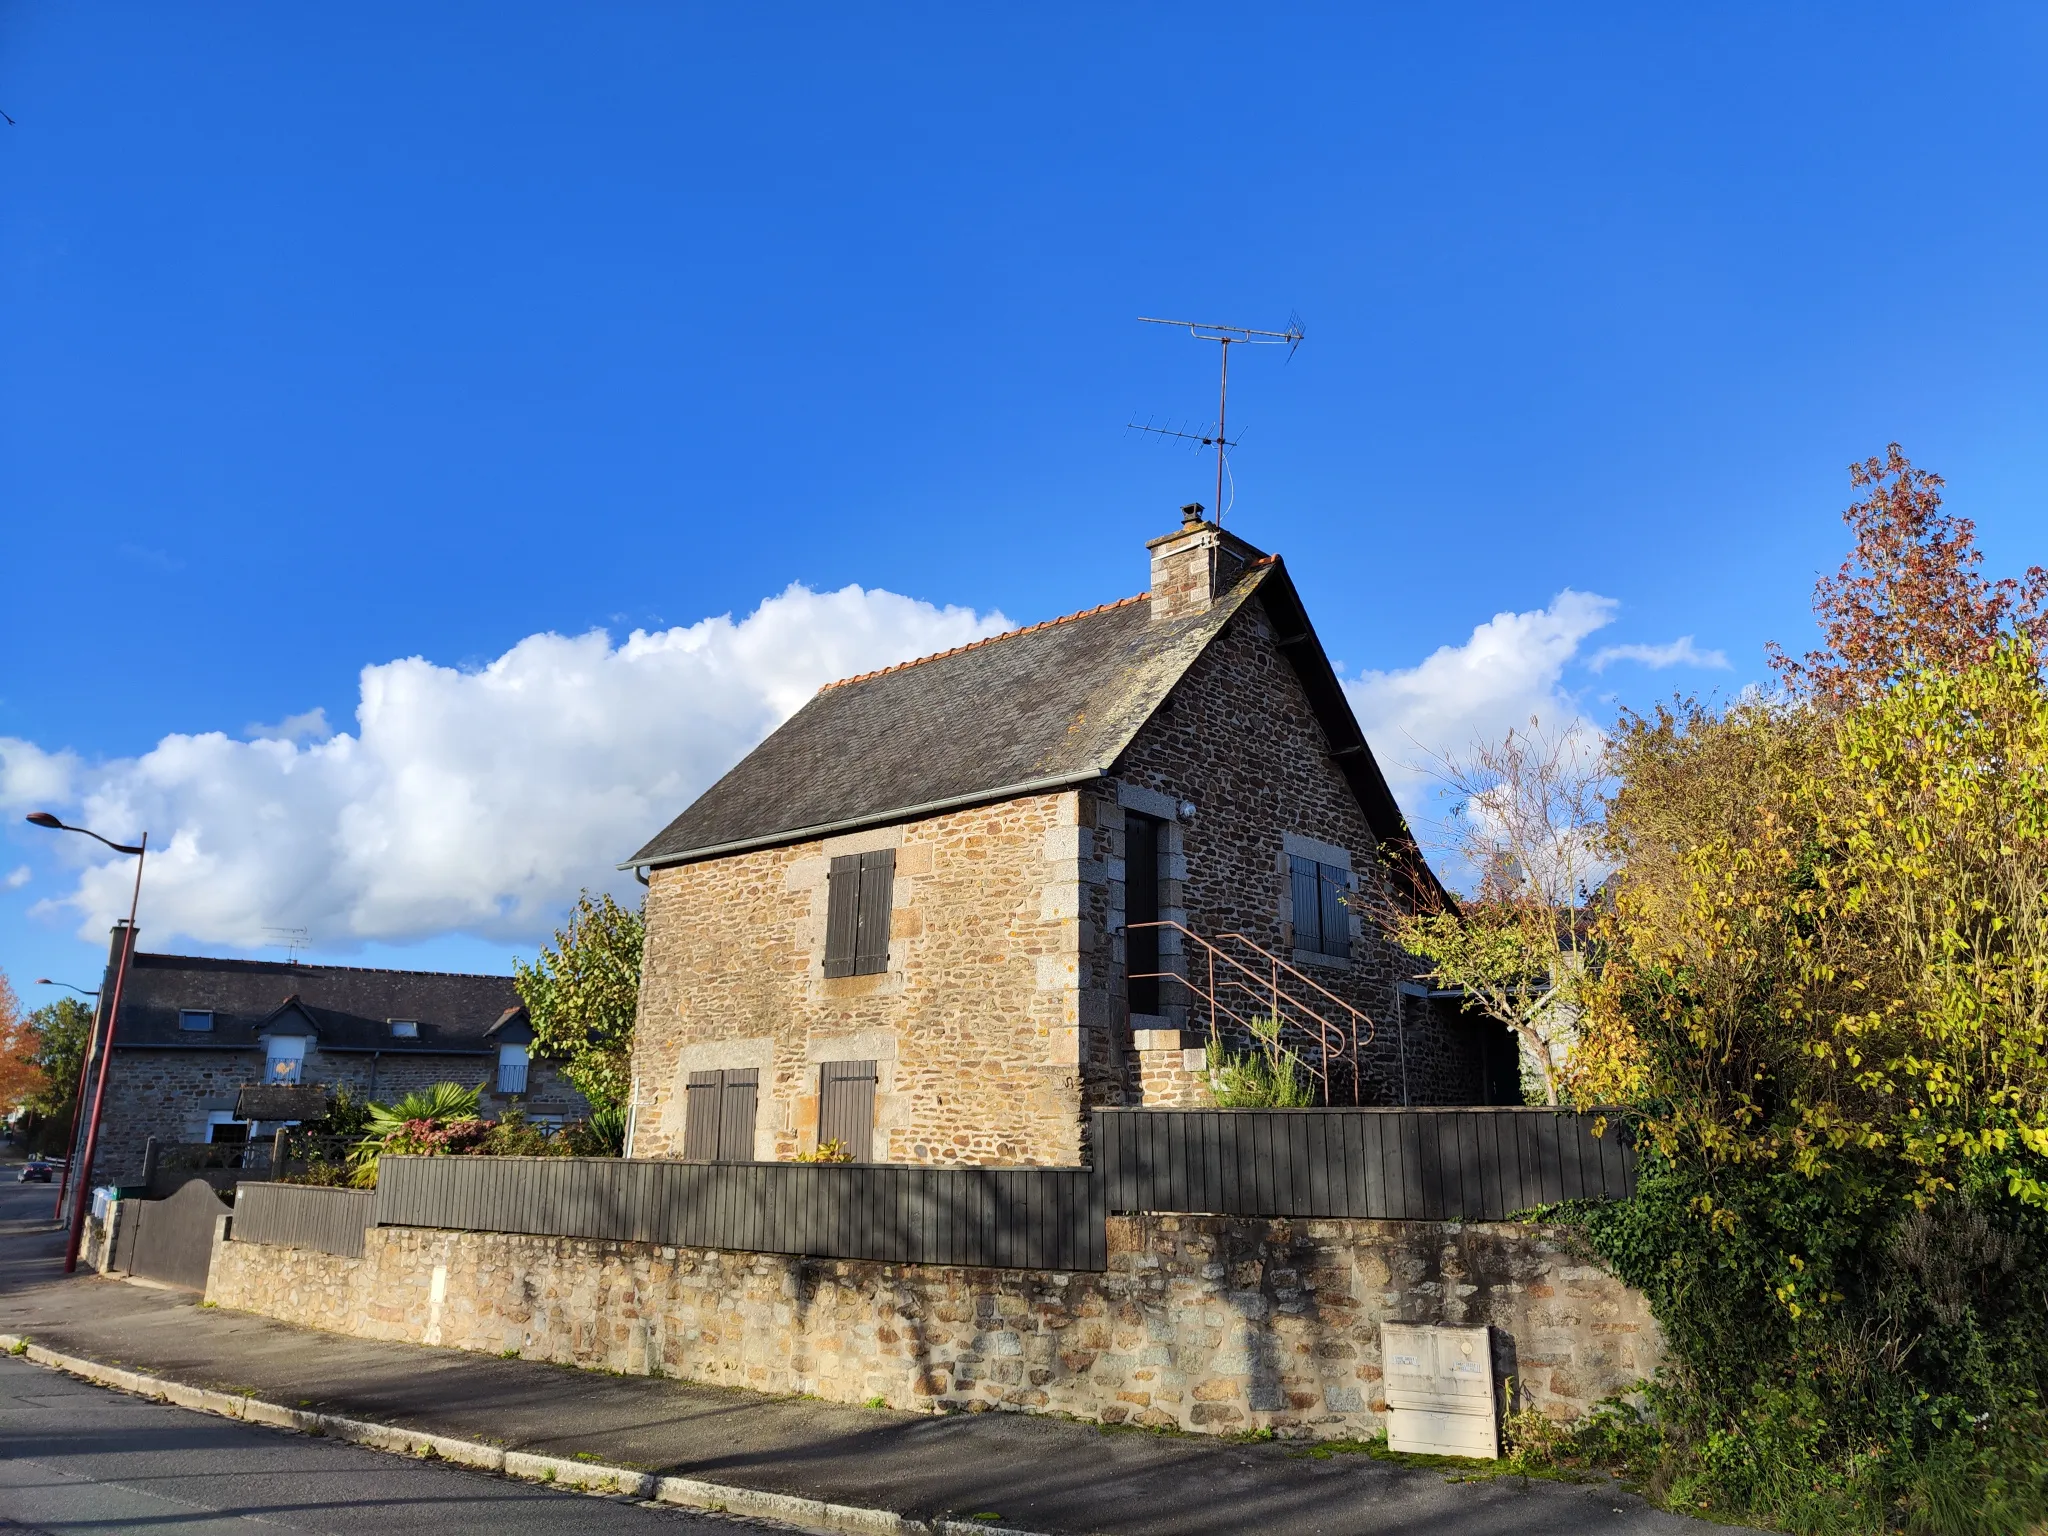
(1226, 336)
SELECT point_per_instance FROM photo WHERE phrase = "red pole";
(82, 1185)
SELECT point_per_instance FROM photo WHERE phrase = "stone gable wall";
(974, 1026)
(1204, 1323)
(1240, 740)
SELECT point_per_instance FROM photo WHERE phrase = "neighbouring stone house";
(951, 906)
(195, 1032)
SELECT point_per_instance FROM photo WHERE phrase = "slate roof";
(1019, 713)
(348, 1008)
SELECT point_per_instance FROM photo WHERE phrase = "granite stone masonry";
(1202, 1323)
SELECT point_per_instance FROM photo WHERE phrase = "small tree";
(1910, 596)
(21, 1079)
(582, 992)
(56, 1036)
(1526, 820)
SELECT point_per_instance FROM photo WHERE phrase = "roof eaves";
(872, 819)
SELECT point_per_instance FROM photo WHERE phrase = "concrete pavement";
(1040, 1474)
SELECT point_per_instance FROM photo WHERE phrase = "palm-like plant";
(390, 1125)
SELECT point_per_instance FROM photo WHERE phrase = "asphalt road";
(81, 1460)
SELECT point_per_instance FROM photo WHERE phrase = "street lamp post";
(103, 1035)
(78, 1097)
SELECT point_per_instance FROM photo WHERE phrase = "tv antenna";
(1226, 336)
(291, 940)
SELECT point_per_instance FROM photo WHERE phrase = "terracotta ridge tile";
(975, 645)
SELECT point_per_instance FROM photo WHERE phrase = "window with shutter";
(718, 1116)
(860, 892)
(846, 1106)
(1322, 919)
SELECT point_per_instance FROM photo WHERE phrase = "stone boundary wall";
(1205, 1323)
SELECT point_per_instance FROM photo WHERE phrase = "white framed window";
(222, 1126)
(405, 1029)
(511, 1069)
(195, 1018)
(287, 1059)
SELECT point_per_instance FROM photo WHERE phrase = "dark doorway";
(1143, 839)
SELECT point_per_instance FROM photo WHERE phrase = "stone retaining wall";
(1205, 1323)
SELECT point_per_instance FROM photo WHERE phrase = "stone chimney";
(1194, 565)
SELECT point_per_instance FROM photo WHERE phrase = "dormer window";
(405, 1029)
(198, 1020)
(287, 1059)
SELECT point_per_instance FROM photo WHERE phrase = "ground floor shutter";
(736, 1116)
(718, 1116)
(846, 1107)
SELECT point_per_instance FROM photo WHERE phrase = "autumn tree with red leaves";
(1910, 594)
(21, 1079)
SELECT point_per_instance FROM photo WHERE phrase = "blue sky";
(341, 336)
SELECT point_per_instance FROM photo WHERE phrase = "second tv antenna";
(1226, 336)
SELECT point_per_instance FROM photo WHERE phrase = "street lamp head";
(45, 819)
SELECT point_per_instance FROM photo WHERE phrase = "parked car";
(34, 1171)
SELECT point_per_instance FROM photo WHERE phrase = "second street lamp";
(102, 1043)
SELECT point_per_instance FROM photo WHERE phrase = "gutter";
(873, 819)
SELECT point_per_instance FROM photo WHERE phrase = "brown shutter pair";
(718, 1116)
(860, 893)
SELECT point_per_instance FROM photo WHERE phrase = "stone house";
(951, 906)
(195, 1032)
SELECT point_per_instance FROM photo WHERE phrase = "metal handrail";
(1347, 1032)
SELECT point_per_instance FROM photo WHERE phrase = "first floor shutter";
(846, 1107)
(877, 896)
(1308, 904)
(1336, 916)
(700, 1116)
(842, 914)
(736, 1116)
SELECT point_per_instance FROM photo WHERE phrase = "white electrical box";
(1438, 1383)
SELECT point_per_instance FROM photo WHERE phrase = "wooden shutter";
(846, 1107)
(1336, 917)
(700, 1116)
(1308, 904)
(842, 910)
(736, 1115)
(877, 893)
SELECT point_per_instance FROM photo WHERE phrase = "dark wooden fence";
(305, 1216)
(1006, 1218)
(1393, 1164)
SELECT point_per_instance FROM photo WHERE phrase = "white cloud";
(1679, 653)
(17, 878)
(1510, 669)
(310, 726)
(31, 778)
(470, 801)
